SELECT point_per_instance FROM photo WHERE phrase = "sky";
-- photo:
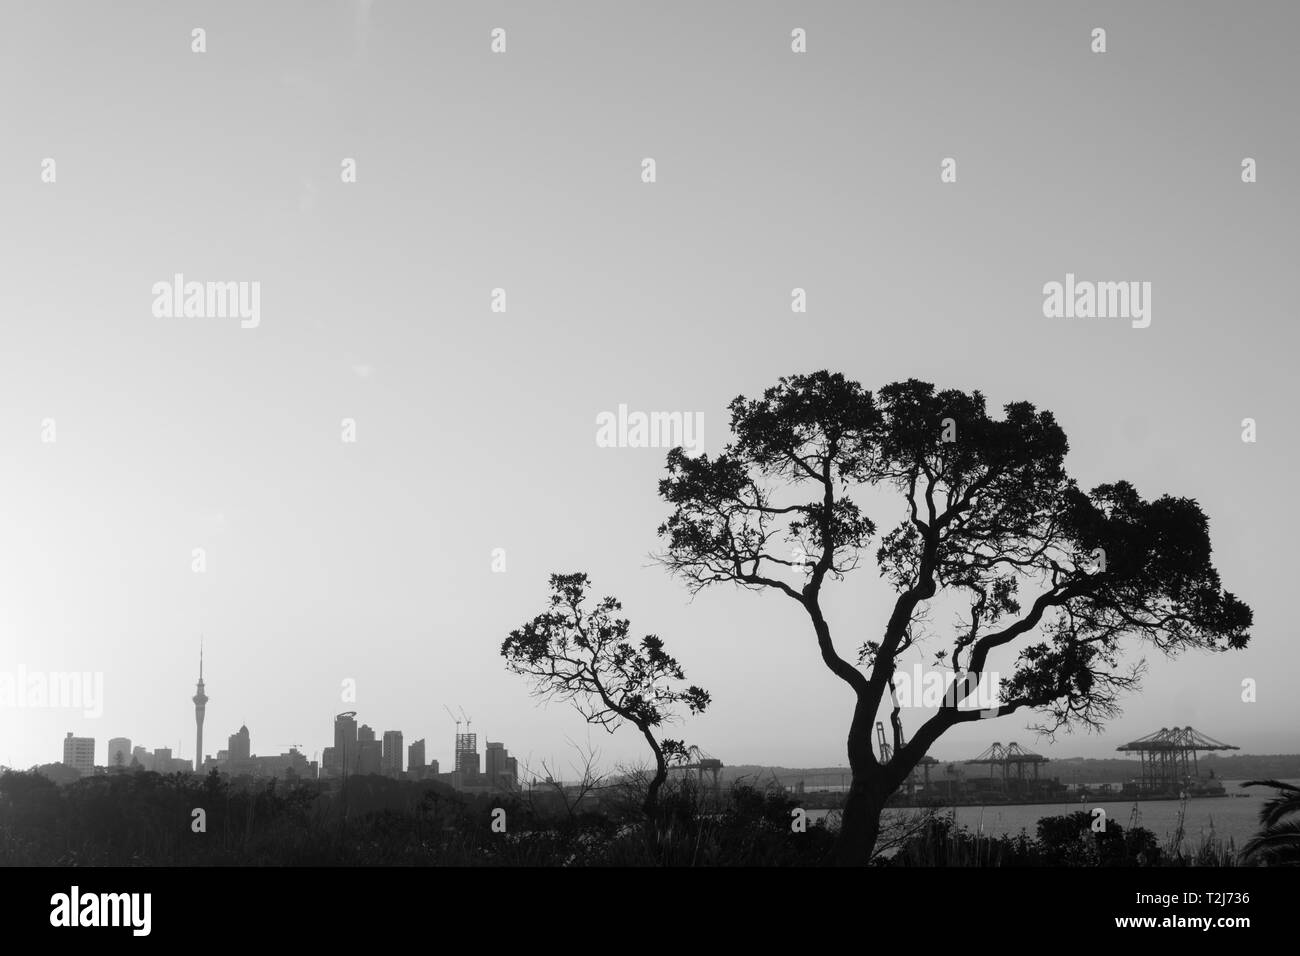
(371, 561)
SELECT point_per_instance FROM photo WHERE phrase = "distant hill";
(1065, 769)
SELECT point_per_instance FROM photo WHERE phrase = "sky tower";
(200, 702)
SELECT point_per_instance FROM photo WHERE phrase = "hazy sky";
(372, 560)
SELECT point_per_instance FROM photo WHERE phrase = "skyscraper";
(501, 767)
(79, 753)
(369, 751)
(495, 761)
(200, 704)
(392, 756)
(239, 745)
(369, 756)
(119, 752)
(415, 759)
(467, 755)
(162, 759)
(345, 743)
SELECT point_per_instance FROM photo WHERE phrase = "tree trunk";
(661, 774)
(860, 825)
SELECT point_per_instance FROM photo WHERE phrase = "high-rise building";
(467, 761)
(501, 768)
(494, 760)
(79, 753)
(415, 759)
(141, 756)
(369, 752)
(240, 746)
(370, 756)
(119, 752)
(345, 743)
(200, 705)
(392, 759)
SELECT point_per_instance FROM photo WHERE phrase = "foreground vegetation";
(145, 819)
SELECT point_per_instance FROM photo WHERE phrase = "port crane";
(887, 754)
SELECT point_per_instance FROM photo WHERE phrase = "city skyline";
(200, 480)
(315, 756)
(361, 754)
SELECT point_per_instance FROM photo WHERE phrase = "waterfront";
(1231, 817)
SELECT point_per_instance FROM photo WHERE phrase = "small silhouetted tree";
(988, 513)
(584, 655)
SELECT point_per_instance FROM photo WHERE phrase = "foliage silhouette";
(584, 655)
(989, 513)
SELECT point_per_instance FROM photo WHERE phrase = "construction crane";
(453, 717)
(467, 718)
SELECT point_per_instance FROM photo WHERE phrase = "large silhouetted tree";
(585, 655)
(989, 517)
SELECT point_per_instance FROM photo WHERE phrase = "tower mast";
(200, 703)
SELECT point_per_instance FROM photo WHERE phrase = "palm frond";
(1278, 845)
(1283, 805)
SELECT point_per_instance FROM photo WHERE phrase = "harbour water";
(1226, 818)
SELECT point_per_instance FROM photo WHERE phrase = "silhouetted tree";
(588, 780)
(989, 510)
(584, 655)
(1278, 841)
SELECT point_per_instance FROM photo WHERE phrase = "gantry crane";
(887, 754)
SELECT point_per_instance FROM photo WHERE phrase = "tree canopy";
(989, 514)
(586, 655)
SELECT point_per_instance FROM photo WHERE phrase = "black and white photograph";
(446, 441)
